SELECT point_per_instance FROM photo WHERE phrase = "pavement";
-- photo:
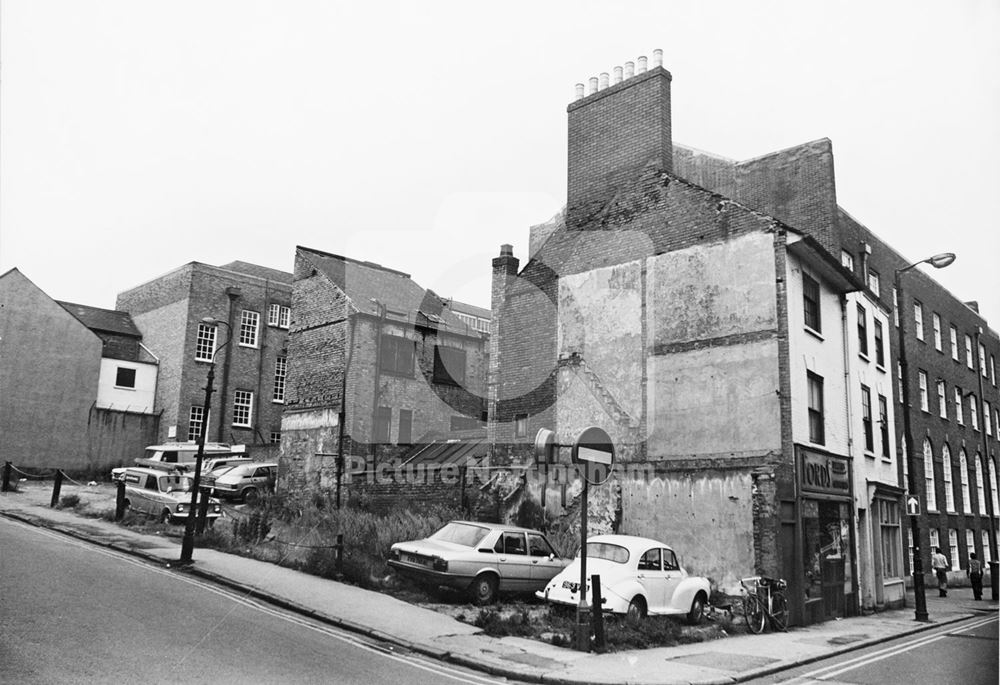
(424, 631)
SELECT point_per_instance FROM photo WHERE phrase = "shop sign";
(824, 473)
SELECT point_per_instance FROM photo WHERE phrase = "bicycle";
(765, 602)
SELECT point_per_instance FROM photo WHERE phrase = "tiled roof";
(447, 452)
(368, 285)
(259, 271)
(97, 319)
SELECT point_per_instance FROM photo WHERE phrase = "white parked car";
(243, 481)
(639, 576)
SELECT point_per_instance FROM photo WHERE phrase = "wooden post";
(6, 476)
(600, 643)
(202, 511)
(340, 554)
(120, 501)
(56, 487)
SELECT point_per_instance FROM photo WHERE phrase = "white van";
(162, 494)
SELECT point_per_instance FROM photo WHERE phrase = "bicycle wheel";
(753, 612)
(779, 611)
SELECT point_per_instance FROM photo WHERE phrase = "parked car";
(245, 481)
(480, 558)
(183, 455)
(639, 576)
(215, 464)
(163, 494)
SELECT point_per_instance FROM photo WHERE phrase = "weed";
(69, 502)
(495, 625)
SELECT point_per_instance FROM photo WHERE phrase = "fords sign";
(824, 473)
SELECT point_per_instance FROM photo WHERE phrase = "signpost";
(912, 506)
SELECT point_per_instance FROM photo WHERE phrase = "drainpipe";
(232, 292)
(260, 363)
(378, 375)
(342, 419)
(856, 560)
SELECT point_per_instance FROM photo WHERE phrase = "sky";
(137, 136)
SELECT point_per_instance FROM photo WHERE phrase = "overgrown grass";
(69, 502)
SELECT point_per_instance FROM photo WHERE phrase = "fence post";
(597, 613)
(120, 501)
(56, 487)
(340, 554)
(203, 498)
(6, 476)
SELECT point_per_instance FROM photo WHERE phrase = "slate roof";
(259, 271)
(447, 452)
(107, 320)
(367, 285)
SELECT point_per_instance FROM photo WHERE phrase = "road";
(72, 612)
(963, 653)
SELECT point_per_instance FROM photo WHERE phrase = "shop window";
(888, 513)
(826, 531)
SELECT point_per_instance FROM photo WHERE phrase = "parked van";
(182, 456)
(162, 494)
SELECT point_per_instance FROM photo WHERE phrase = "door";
(653, 579)
(545, 564)
(513, 561)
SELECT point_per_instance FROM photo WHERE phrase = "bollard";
(600, 644)
(120, 501)
(6, 476)
(340, 554)
(203, 498)
(56, 487)
(994, 580)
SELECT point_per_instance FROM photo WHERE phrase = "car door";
(545, 563)
(650, 574)
(513, 561)
(674, 576)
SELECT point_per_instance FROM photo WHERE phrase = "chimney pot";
(604, 81)
(579, 91)
(593, 85)
(629, 69)
(617, 78)
(506, 250)
(657, 57)
(642, 64)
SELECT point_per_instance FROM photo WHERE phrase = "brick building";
(249, 348)
(720, 321)
(76, 384)
(377, 367)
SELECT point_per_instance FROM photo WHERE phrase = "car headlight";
(180, 508)
(217, 509)
(440, 564)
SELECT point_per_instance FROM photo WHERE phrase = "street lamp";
(984, 463)
(187, 544)
(938, 261)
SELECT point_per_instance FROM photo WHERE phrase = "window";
(249, 322)
(650, 560)
(942, 399)
(275, 437)
(909, 549)
(538, 546)
(125, 377)
(280, 373)
(959, 418)
(847, 260)
(405, 427)
(934, 539)
(974, 411)
(883, 421)
(242, 408)
(449, 365)
(993, 486)
(383, 425)
(982, 360)
(816, 428)
(936, 323)
(906, 463)
(879, 344)
(953, 333)
(980, 486)
(196, 422)
(888, 516)
(970, 542)
(899, 382)
(521, 426)
(279, 316)
(866, 418)
(963, 479)
(987, 425)
(949, 490)
(929, 488)
(862, 331)
(895, 307)
(953, 548)
(968, 352)
(984, 537)
(918, 319)
(810, 302)
(922, 381)
(993, 370)
(873, 281)
(204, 346)
(396, 355)
(996, 422)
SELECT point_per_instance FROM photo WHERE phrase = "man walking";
(975, 573)
(939, 563)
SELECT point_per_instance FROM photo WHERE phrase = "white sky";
(138, 136)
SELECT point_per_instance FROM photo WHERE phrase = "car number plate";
(411, 559)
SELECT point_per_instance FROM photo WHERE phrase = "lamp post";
(984, 463)
(938, 262)
(187, 543)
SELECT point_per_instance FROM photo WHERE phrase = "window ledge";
(880, 367)
(813, 332)
(864, 355)
(252, 347)
(277, 401)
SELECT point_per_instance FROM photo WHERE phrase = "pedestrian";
(939, 563)
(975, 573)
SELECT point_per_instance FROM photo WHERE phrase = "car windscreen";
(464, 534)
(604, 550)
(175, 484)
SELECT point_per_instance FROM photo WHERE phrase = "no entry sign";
(595, 451)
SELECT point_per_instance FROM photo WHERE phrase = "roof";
(471, 309)
(259, 271)
(374, 289)
(107, 320)
(445, 452)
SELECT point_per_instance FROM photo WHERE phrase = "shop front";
(829, 575)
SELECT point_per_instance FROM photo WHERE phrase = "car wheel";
(636, 609)
(165, 516)
(484, 589)
(250, 495)
(697, 610)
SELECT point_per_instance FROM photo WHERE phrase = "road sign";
(912, 506)
(596, 452)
